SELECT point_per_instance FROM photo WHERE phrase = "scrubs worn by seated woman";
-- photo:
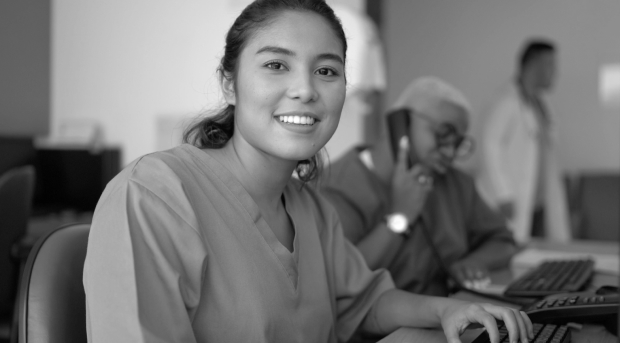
(452, 230)
(214, 241)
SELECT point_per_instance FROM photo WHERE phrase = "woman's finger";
(421, 176)
(403, 153)
(490, 325)
(523, 333)
(508, 316)
(528, 324)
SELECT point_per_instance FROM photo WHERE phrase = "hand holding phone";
(410, 187)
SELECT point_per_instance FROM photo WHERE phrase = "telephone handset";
(399, 125)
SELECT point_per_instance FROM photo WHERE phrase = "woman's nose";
(303, 88)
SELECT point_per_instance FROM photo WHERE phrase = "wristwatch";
(397, 223)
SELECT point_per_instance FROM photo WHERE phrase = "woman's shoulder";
(150, 168)
(158, 170)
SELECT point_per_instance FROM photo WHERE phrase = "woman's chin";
(306, 154)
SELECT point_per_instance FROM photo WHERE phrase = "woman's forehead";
(299, 32)
(445, 112)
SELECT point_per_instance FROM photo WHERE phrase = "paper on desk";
(532, 257)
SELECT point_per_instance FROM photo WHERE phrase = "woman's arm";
(491, 244)
(396, 308)
(380, 246)
(408, 197)
(476, 265)
(143, 270)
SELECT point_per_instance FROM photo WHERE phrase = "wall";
(125, 65)
(473, 44)
(24, 67)
(140, 70)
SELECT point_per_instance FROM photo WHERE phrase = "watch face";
(397, 222)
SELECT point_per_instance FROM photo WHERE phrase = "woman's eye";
(275, 65)
(326, 72)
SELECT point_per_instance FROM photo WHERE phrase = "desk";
(589, 333)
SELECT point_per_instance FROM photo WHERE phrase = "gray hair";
(427, 89)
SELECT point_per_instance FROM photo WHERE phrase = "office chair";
(599, 204)
(16, 191)
(52, 305)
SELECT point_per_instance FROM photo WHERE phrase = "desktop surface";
(587, 333)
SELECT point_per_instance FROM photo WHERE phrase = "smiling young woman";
(214, 241)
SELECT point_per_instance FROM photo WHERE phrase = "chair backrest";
(600, 206)
(16, 190)
(52, 305)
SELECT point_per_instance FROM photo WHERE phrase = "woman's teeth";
(300, 120)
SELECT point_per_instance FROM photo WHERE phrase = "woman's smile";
(297, 120)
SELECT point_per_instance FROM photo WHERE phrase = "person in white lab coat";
(520, 175)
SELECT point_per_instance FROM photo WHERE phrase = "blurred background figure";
(520, 175)
(366, 79)
(423, 222)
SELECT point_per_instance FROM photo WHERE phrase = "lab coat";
(510, 167)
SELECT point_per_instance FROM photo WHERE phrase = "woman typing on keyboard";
(214, 241)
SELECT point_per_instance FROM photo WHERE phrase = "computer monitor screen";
(73, 179)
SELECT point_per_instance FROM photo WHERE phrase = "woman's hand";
(470, 274)
(409, 187)
(458, 316)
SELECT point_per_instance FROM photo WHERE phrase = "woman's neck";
(264, 177)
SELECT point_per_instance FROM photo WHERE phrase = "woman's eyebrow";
(275, 50)
(287, 52)
(330, 56)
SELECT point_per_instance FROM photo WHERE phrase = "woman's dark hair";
(214, 131)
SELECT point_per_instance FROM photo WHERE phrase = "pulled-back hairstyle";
(215, 131)
(532, 49)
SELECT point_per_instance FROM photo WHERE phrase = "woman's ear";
(228, 89)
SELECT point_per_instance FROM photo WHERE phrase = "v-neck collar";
(286, 259)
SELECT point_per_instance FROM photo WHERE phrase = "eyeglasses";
(448, 139)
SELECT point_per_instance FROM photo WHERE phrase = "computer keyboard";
(551, 277)
(543, 333)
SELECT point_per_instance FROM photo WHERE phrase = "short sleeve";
(352, 220)
(356, 287)
(142, 283)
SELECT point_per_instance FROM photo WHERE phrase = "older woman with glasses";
(426, 224)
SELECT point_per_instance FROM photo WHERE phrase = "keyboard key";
(543, 333)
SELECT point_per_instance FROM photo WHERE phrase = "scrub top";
(179, 252)
(456, 217)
